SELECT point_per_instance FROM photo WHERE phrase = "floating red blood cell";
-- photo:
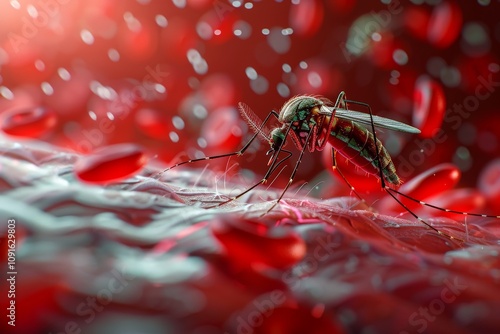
(489, 183)
(140, 42)
(342, 6)
(251, 243)
(152, 123)
(110, 163)
(306, 17)
(222, 130)
(463, 200)
(31, 122)
(445, 24)
(287, 319)
(432, 182)
(359, 179)
(218, 90)
(417, 20)
(429, 106)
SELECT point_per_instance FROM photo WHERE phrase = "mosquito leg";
(335, 168)
(274, 164)
(382, 181)
(295, 168)
(238, 153)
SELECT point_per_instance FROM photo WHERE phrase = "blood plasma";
(250, 243)
(317, 78)
(111, 163)
(445, 24)
(432, 182)
(429, 106)
(489, 183)
(306, 17)
(30, 122)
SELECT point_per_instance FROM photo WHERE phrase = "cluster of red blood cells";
(132, 87)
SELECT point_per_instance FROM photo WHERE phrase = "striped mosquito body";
(348, 137)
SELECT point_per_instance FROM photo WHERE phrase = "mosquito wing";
(253, 121)
(364, 118)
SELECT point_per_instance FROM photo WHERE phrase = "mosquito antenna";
(254, 121)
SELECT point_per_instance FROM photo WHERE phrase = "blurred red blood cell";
(217, 25)
(31, 122)
(222, 130)
(178, 39)
(291, 320)
(445, 24)
(463, 200)
(417, 20)
(489, 183)
(152, 123)
(429, 106)
(342, 6)
(306, 17)
(251, 243)
(200, 4)
(140, 42)
(432, 182)
(110, 164)
(478, 74)
(359, 179)
(218, 91)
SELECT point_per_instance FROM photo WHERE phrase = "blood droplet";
(110, 164)
(444, 25)
(489, 182)
(251, 243)
(306, 17)
(429, 106)
(30, 122)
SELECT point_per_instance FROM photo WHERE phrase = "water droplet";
(87, 37)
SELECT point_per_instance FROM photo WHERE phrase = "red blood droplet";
(306, 17)
(251, 243)
(429, 106)
(489, 183)
(463, 200)
(111, 163)
(30, 122)
(444, 25)
(432, 182)
(222, 130)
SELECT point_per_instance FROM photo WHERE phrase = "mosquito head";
(298, 108)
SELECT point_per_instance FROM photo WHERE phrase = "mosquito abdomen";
(357, 144)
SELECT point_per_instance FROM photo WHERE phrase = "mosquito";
(311, 122)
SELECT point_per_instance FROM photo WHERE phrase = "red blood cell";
(251, 243)
(31, 122)
(218, 91)
(152, 123)
(306, 17)
(222, 130)
(342, 6)
(416, 20)
(429, 106)
(178, 39)
(489, 183)
(445, 24)
(201, 4)
(110, 164)
(288, 319)
(359, 179)
(432, 182)
(217, 25)
(464, 200)
(141, 42)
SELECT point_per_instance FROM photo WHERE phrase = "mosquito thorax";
(298, 108)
